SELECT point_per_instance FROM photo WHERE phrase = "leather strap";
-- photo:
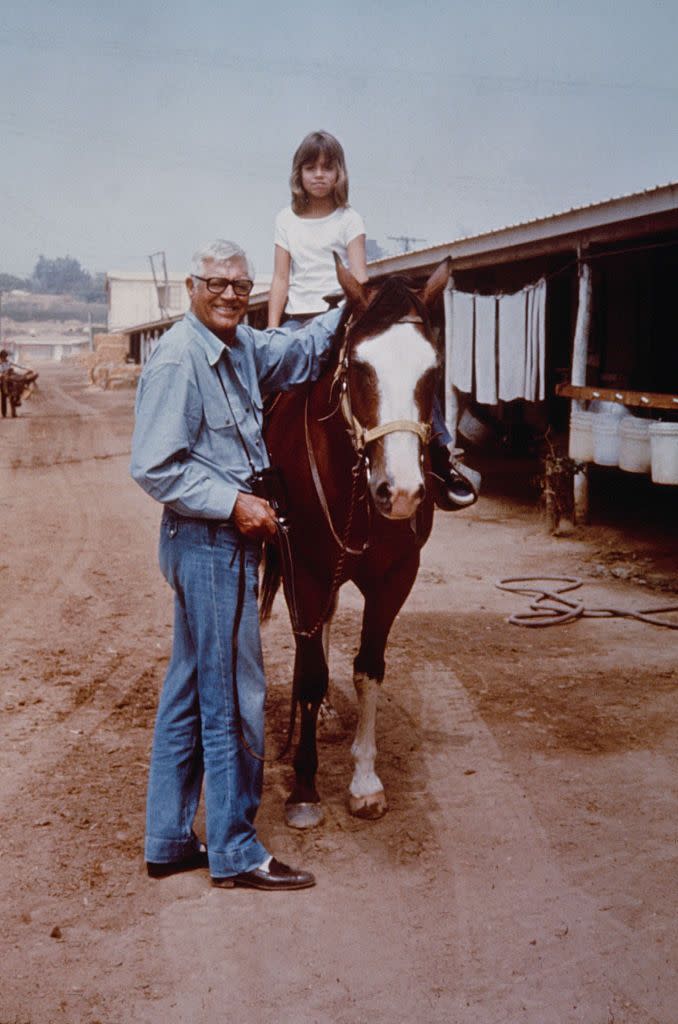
(317, 482)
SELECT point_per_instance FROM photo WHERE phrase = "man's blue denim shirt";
(190, 432)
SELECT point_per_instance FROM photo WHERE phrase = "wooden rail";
(638, 399)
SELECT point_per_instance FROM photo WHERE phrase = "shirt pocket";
(220, 419)
(249, 417)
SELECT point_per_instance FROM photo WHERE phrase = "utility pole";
(406, 241)
(160, 281)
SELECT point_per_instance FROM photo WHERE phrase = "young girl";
(318, 222)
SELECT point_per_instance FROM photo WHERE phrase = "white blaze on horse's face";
(399, 358)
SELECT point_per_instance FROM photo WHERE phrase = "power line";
(406, 241)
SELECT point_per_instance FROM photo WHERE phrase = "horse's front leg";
(366, 796)
(303, 808)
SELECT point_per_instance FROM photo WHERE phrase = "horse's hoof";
(368, 807)
(305, 815)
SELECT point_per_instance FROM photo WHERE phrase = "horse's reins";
(288, 564)
(281, 528)
(342, 543)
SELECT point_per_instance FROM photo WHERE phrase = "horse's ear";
(436, 282)
(354, 291)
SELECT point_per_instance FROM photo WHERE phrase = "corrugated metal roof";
(658, 199)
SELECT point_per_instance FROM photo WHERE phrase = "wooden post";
(451, 410)
(580, 348)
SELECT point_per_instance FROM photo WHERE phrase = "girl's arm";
(357, 259)
(280, 283)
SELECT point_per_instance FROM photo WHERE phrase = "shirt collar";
(213, 346)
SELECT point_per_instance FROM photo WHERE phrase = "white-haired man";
(197, 444)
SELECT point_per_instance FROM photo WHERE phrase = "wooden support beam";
(623, 396)
(451, 411)
(580, 350)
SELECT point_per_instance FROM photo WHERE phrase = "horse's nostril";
(384, 491)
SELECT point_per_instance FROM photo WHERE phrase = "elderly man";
(197, 444)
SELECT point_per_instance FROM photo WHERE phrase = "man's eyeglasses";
(217, 285)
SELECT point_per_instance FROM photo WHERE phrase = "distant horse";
(353, 451)
(13, 385)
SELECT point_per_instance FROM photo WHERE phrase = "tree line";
(61, 276)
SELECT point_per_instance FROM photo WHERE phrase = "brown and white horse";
(353, 451)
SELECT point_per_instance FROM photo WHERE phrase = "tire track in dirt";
(541, 950)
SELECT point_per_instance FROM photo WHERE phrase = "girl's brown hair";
(318, 145)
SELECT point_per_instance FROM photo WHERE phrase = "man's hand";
(253, 516)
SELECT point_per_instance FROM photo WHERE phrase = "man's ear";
(190, 285)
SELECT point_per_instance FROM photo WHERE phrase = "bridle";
(360, 439)
(362, 436)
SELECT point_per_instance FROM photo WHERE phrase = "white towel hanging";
(459, 317)
(512, 329)
(486, 349)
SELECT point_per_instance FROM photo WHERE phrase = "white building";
(133, 298)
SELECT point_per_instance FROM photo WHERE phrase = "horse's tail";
(270, 580)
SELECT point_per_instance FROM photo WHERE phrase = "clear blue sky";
(141, 126)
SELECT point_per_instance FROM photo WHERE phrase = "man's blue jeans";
(197, 732)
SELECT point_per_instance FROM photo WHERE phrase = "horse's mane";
(394, 299)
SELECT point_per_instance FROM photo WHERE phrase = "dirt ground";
(526, 870)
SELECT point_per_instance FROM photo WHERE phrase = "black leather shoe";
(175, 867)
(459, 491)
(276, 876)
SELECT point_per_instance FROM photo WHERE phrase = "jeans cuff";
(222, 864)
(167, 851)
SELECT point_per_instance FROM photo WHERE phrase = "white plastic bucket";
(664, 449)
(634, 445)
(581, 436)
(606, 439)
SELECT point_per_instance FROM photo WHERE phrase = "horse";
(353, 451)
(14, 385)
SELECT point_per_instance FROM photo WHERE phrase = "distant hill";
(22, 306)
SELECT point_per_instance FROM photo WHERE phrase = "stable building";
(567, 321)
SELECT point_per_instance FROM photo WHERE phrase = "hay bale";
(123, 376)
(109, 359)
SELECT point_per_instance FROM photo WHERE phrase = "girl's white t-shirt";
(310, 242)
